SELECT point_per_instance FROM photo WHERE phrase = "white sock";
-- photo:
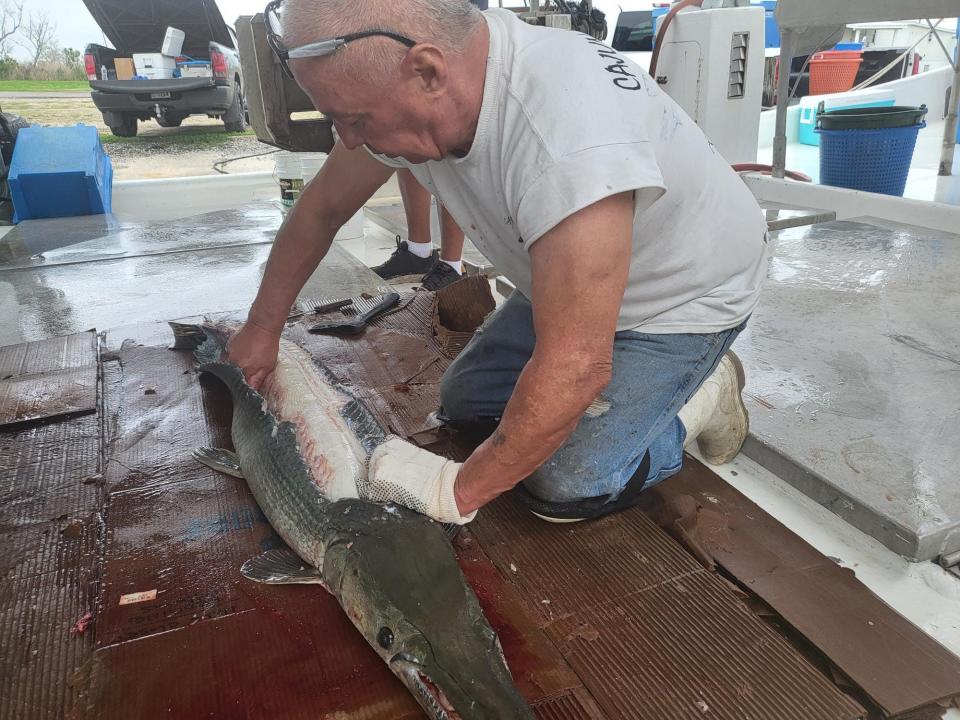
(455, 264)
(420, 249)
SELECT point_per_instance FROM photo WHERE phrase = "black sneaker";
(591, 507)
(439, 276)
(403, 263)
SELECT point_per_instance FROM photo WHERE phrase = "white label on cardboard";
(138, 597)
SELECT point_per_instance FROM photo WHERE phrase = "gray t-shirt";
(566, 122)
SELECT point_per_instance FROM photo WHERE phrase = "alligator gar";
(302, 445)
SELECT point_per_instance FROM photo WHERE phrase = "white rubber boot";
(715, 416)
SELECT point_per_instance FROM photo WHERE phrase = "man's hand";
(254, 350)
(402, 473)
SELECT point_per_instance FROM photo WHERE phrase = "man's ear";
(428, 64)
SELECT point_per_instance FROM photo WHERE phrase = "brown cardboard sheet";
(900, 669)
(49, 532)
(48, 378)
(124, 68)
(157, 418)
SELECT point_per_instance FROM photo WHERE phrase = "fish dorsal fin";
(281, 566)
(220, 460)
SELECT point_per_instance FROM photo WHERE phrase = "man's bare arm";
(345, 182)
(579, 272)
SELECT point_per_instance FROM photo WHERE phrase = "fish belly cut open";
(299, 392)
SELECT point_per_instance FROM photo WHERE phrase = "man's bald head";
(447, 24)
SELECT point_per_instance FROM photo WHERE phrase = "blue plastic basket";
(875, 161)
(59, 172)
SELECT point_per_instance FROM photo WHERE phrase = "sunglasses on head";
(318, 48)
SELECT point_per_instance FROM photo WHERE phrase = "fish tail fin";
(205, 342)
(187, 337)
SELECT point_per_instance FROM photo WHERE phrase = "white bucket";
(310, 164)
(289, 174)
(294, 171)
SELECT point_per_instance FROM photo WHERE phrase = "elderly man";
(636, 251)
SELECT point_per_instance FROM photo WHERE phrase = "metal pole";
(950, 127)
(936, 36)
(787, 45)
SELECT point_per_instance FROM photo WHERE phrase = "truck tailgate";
(138, 87)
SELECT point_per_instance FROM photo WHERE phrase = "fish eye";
(385, 638)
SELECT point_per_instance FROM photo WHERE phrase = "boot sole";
(741, 383)
(556, 520)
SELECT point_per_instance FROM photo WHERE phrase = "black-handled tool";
(356, 324)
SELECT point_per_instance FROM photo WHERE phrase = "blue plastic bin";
(59, 172)
(656, 14)
(771, 30)
(875, 161)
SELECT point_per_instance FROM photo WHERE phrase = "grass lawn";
(44, 86)
(187, 137)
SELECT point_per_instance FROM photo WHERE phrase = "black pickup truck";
(138, 26)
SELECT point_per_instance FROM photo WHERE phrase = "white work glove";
(402, 473)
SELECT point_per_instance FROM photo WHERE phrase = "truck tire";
(127, 126)
(10, 125)
(235, 119)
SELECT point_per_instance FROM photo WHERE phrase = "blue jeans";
(653, 377)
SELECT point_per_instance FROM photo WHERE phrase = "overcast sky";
(75, 27)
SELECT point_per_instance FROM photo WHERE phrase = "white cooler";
(154, 65)
(172, 42)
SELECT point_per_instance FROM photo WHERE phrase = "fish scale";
(278, 478)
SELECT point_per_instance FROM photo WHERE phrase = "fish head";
(405, 592)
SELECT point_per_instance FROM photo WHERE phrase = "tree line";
(35, 33)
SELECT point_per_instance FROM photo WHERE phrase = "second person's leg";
(449, 267)
(413, 257)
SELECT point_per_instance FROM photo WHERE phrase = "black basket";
(870, 118)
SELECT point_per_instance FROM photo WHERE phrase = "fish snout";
(471, 697)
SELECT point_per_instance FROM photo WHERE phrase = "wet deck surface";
(852, 361)
(59, 277)
(107, 514)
